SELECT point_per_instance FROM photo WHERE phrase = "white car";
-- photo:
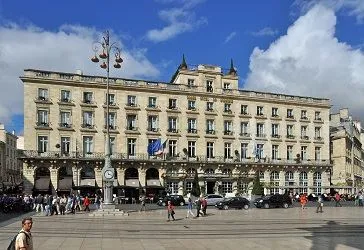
(212, 199)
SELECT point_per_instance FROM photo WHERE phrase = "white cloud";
(351, 7)
(267, 31)
(310, 61)
(179, 20)
(68, 49)
(230, 36)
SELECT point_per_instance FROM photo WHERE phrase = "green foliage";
(196, 190)
(258, 188)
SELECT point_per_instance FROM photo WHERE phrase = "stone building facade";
(10, 171)
(205, 121)
(346, 152)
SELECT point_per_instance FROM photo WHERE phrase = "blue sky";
(312, 48)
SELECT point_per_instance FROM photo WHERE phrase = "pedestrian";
(142, 203)
(62, 205)
(198, 207)
(360, 198)
(204, 206)
(47, 206)
(337, 200)
(189, 208)
(303, 201)
(170, 209)
(24, 239)
(86, 204)
(320, 203)
(39, 203)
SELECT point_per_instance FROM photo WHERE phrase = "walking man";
(24, 239)
(337, 200)
(198, 207)
(189, 208)
(320, 203)
(204, 206)
(142, 203)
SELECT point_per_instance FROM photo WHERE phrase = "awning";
(132, 183)
(42, 184)
(154, 183)
(65, 184)
(88, 182)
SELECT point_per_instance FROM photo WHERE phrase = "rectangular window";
(210, 150)
(244, 129)
(43, 118)
(290, 113)
(274, 112)
(227, 86)
(289, 152)
(244, 109)
(275, 150)
(304, 114)
(42, 144)
(112, 120)
(191, 82)
(260, 130)
(172, 104)
(317, 115)
(227, 107)
(228, 127)
(210, 127)
(111, 99)
(172, 124)
(259, 151)
(244, 150)
(153, 123)
(227, 150)
(152, 102)
(227, 187)
(65, 119)
(191, 105)
(172, 148)
(87, 119)
(43, 94)
(88, 147)
(192, 125)
(317, 153)
(275, 130)
(172, 187)
(112, 144)
(317, 133)
(259, 110)
(65, 96)
(304, 133)
(131, 122)
(87, 97)
(209, 106)
(304, 153)
(290, 131)
(209, 87)
(131, 146)
(131, 101)
(192, 149)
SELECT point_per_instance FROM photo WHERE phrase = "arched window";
(131, 173)
(191, 172)
(209, 171)
(172, 172)
(317, 181)
(87, 173)
(274, 182)
(289, 178)
(303, 182)
(152, 174)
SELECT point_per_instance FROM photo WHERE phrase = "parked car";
(276, 200)
(212, 199)
(177, 200)
(233, 202)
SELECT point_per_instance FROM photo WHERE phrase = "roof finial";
(183, 65)
(232, 70)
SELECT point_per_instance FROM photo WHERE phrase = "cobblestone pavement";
(293, 228)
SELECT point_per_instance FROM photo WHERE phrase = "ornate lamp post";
(108, 172)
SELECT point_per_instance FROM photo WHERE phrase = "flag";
(157, 147)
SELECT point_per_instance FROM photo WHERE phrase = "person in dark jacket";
(198, 207)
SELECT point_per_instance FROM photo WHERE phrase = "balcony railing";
(210, 132)
(65, 125)
(87, 125)
(177, 157)
(42, 124)
(172, 130)
(192, 131)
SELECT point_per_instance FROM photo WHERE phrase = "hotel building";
(208, 124)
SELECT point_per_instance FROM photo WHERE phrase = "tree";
(257, 187)
(196, 191)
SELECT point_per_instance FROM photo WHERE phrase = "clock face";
(108, 174)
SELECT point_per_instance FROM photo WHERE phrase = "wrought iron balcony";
(65, 125)
(88, 125)
(42, 124)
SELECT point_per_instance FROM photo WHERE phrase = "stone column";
(282, 180)
(28, 178)
(76, 176)
(54, 178)
(180, 187)
(162, 173)
(266, 180)
(235, 187)
(98, 175)
(142, 179)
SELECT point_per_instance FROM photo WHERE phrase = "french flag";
(157, 147)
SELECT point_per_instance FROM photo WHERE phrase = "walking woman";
(170, 209)
(303, 201)
(189, 208)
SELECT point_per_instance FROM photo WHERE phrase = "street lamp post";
(108, 172)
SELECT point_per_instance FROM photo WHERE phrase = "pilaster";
(54, 177)
(28, 178)
(180, 187)
(76, 176)
(121, 175)
(98, 174)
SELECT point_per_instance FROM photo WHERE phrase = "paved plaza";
(293, 228)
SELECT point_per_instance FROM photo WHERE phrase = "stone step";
(108, 213)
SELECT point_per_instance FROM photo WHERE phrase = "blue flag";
(155, 147)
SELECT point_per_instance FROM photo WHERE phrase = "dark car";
(176, 200)
(276, 200)
(233, 202)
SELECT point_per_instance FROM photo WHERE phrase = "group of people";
(201, 208)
